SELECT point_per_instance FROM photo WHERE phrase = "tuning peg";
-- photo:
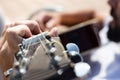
(72, 47)
(81, 69)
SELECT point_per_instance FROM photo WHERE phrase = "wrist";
(64, 18)
(6, 58)
(72, 18)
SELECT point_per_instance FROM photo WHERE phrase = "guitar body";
(85, 35)
(40, 67)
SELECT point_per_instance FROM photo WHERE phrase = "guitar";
(43, 57)
(85, 35)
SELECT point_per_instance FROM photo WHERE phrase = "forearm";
(6, 59)
(76, 17)
(2, 64)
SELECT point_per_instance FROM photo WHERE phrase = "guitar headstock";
(47, 52)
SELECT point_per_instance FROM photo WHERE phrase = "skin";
(53, 19)
(16, 31)
(64, 20)
(12, 36)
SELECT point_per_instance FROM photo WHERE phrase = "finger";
(42, 19)
(54, 32)
(14, 35)
(51, 24)
(33, 25)
(21, 30)
(42, 25)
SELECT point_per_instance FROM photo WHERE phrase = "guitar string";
(42, 44)
(29, 46)
(58, 42)
(38, 37)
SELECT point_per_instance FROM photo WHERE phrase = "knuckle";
(9, 31)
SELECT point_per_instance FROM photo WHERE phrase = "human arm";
(52, 19)
(12, 36)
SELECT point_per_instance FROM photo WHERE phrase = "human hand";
(47, 19)
(12, 36)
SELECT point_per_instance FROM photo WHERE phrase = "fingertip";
(54, 32)
(51, 24)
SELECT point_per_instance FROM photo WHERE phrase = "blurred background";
(21, 9)
(101, 60)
